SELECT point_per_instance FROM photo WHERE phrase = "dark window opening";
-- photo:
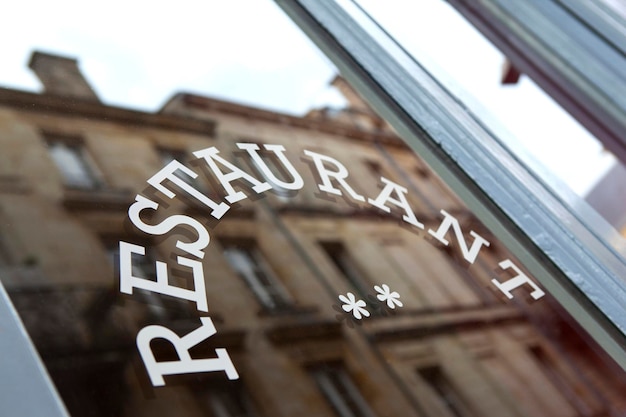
(250, 264)
(441, 385)
(168, 155)
(73, 162)
(337, 252)
(561, 383)
(340, 391)
(228, 400)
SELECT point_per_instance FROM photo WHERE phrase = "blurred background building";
(70, 166)
(606, 197)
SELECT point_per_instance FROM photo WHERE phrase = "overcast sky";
(138, 54)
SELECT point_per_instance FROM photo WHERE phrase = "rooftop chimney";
(61, 76)
(354, 99)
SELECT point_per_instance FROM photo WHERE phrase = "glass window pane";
(317, 255)
(73, 166)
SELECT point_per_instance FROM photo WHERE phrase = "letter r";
(185, 364)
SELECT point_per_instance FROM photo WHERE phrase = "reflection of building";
(71, 166)
(602, 197)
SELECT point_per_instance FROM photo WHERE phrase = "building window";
(168, 155)
(447, 394)
(72, 160)
(230, 400)
(340, 391)
(376, 169)
(337, 252)
(246, 259)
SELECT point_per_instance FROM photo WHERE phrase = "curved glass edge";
(26, 388)
(565, 253)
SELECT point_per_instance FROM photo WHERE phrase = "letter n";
(449, 221)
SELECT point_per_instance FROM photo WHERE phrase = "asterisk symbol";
(385, 294)
(350, 303)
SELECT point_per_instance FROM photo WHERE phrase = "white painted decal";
(450, 221)
(185, 364)
(339, 175)
(333, 176)
(400, 192)
(517, 281)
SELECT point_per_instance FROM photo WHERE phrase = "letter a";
(278, 150)
(210, 156)
(385, 196)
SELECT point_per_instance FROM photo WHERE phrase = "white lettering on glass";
(339, 175)
(333, 177)
(193, 248)
(185, 364)
(278, 150)
(450, 221)
(210, 156)
(167, 173)
(162, 286)
(385, 196)
(517, 281)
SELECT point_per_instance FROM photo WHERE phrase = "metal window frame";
(90, 177)
(26, 389)
(564, 243)
(580, 62)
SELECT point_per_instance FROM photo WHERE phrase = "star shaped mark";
(386, 295)
(351, 304)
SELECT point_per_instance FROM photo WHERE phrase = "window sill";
(306, 330)
(97, 199)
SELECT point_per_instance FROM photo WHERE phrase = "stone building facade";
(277, 261)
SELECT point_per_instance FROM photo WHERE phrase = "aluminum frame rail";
(566, 247)
(574, 49)
(25, 387)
